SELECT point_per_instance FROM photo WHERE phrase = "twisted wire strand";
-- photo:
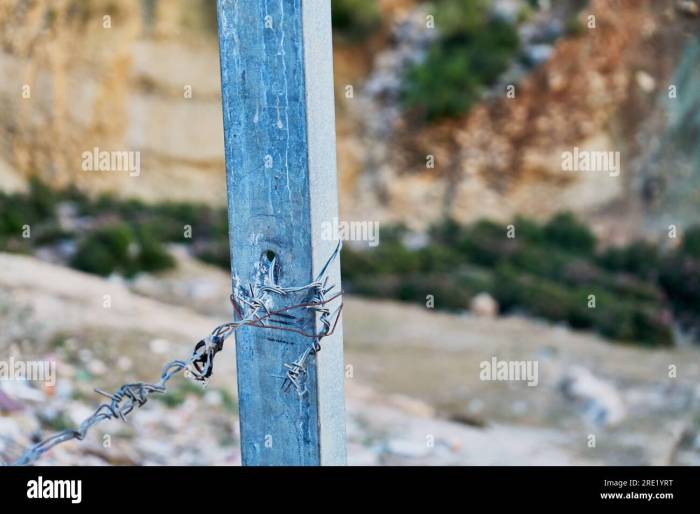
(252, 306)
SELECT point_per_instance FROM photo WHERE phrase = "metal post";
(279, 127)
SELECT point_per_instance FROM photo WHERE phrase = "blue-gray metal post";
(279, 128)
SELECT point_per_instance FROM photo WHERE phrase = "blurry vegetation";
(473, 50)
(117, 247)
(574, 26)
(355, 20)
(108, 235)
(33, 211)
(547, 270)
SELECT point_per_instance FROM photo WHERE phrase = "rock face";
(148, 82)
(604, 90)
(505, 156)
(134, 81)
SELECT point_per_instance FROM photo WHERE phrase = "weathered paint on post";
(279, 127)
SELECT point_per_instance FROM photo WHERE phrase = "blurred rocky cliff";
(112, 75)
(143, 75)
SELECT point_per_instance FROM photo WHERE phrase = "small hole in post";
(270, 263)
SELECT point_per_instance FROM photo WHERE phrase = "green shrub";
(152, 256)
(472, 51)
(633, 323)
(390, 257)
(16, 210)
(634, 288)
(574, 27)
(394, 257)
(613, 316)
(439, 257)
(117, 248)
(515, 291)
(447, 292)
(355, 19)
(49, 233)
(541, 261)
(447, 232)
(93, 257)
(42, 201)
(548, 271)
(216, 253)
(12, 216)
(639, 258)
(691, 242)
(680, 278)
(564, 231)
(104, 251)
(529, 231)
(485, 243)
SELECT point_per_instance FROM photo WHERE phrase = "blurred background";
(453, 119)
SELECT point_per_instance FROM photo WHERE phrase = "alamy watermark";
(336, 230)
(32, 370)
(591, 160)
(50, 489)
(103, 160)
(510, 371)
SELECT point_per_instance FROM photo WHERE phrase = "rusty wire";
(253, 306)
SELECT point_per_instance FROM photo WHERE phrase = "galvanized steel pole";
(279, 127)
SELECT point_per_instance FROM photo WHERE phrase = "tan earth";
(415, 395)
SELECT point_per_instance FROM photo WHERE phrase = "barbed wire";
(254, 307)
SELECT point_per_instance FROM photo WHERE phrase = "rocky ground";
(414, 394)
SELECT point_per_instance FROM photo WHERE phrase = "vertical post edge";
(320, 113)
